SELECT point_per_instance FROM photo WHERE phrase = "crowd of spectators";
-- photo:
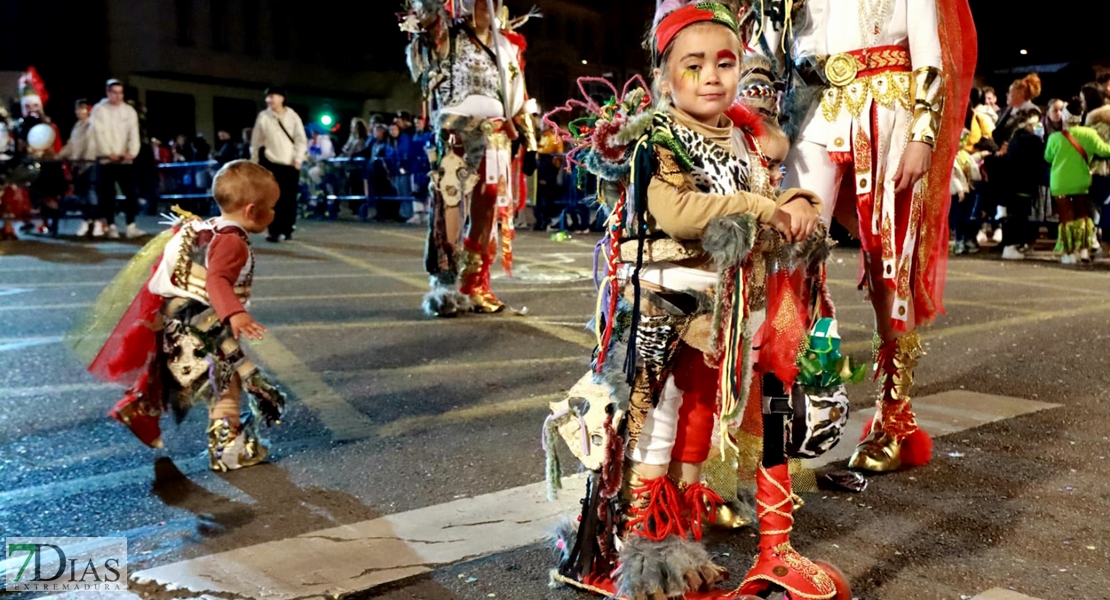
(1025, 165)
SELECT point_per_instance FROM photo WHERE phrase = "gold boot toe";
(879, 452)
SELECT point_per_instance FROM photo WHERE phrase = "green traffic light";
(326, 120)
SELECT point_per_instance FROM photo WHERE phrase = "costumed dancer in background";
(689, 195)
(177, 343)
(470, 68)
(877, 90)
(14, 201)
(39, 141)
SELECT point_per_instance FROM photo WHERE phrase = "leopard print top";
(715, 169)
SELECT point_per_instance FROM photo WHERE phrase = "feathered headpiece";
(602, 141)
(32, 88)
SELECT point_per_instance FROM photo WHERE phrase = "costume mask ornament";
(454, 180)
(819, 398)
(187, 354)
(582, 427)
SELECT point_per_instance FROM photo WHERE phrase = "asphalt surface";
(392, 411)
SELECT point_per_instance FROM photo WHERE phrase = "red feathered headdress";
(31, 84)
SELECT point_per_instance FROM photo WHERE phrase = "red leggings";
(698, 382)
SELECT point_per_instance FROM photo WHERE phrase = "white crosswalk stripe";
(364, 555)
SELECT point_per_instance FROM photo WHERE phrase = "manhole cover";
(539, 274)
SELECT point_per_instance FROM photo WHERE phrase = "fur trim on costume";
(795, 107)
(744, 504)
(811, 252)
(729, 240)
(444, 301)
(563, 537)
(649, 567)
(917, 447)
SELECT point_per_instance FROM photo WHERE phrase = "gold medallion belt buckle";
(841, 69)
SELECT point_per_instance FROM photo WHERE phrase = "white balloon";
(40, 137)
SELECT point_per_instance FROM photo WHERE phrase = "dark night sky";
(1075, 34)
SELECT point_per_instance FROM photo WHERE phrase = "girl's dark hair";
(976, 101)
(1092, 95)
(1075, 106)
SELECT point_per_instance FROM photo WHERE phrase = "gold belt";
(846, 67)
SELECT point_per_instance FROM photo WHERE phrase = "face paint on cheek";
(692, 75)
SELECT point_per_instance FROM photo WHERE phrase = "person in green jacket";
(1070, 180)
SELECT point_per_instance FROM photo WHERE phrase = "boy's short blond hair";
(241, 182)
(772, 131)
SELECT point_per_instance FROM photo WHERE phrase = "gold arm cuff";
(928, 104)
(528, 129)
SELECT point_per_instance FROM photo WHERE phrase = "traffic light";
(326, 120)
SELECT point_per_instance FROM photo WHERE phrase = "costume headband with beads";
(702, 12)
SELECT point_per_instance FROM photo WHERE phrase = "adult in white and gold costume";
(876, 91)
(470, 67)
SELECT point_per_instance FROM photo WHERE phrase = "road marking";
(433, 367)
(419, 282)
(476, 366)
(471, 413)
(20, 344)
(1002, 594)
(40, 390)
(364, 555)
(308, 298)
(367, 554)
(940, 414)
(344, 421)
(68, 284)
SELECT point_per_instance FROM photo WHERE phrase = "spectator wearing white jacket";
(115, 137)
(278, 142)
(80, 150)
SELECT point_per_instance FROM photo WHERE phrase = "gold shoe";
(486, 302)
(729, 518)
(879, 452)
(231, 448)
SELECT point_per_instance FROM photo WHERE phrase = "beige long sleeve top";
(683, 212)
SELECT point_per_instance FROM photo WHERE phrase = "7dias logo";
(65, 564)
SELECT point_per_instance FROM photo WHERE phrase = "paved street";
(409, 463)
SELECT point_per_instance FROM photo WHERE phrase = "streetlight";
(1024, 52)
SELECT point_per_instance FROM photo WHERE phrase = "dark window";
(550, 29)
(184, 12)
(221, 23)
(252, 27)
(170, 114)
(280, 29)
(233, 114)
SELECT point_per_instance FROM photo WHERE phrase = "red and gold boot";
(892, 440)
(779, 565)
(475, 279)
